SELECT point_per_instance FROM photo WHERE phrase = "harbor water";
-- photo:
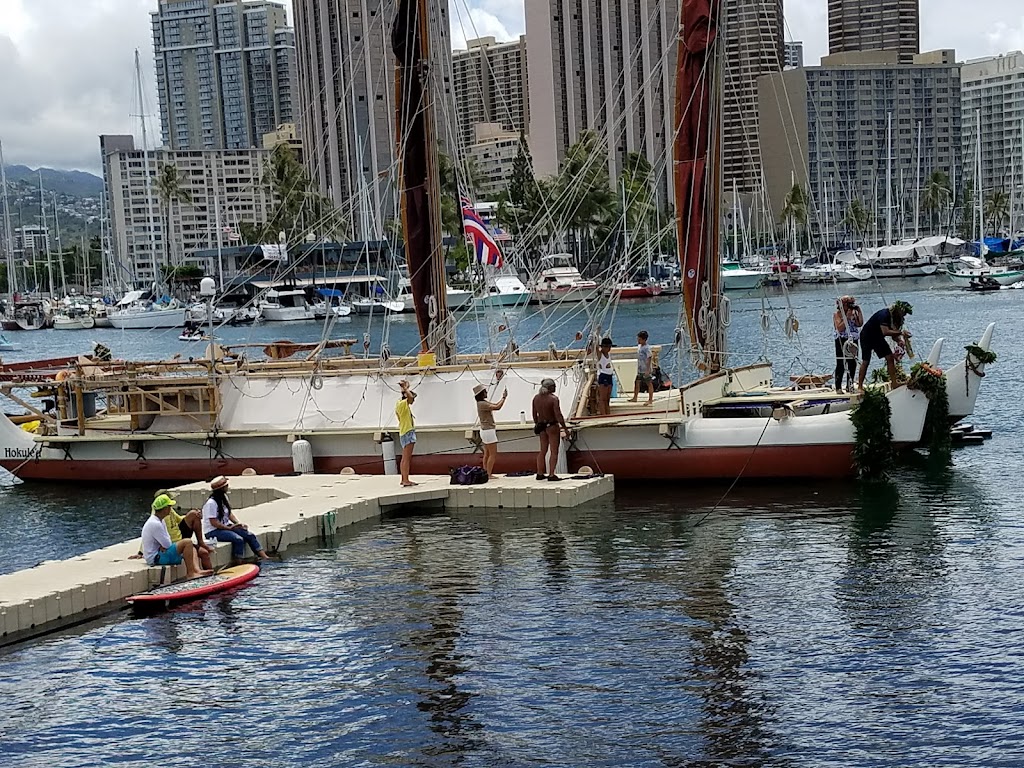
(796, 624)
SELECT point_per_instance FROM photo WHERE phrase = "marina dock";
(281, 511)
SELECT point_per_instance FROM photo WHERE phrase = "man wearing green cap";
(885, 323)
(182, 527)
(157, 547)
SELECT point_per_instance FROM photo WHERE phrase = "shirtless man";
(548, 423)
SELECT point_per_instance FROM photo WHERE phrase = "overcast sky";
(66, 66)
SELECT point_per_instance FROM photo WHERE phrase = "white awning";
(329, 282)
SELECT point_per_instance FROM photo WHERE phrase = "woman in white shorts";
(488, 430)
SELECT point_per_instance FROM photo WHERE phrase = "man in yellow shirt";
(406, 430)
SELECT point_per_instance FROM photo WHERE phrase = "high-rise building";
(828, 128)
(490, 85)
(992, 95)
(223, 71)
(346, 93)
(753, 33)
(606, 66)
(794, 53)
(222, 188)
(875, 25)
(609, 66)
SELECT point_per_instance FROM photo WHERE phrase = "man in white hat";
(488, 429)
(220, 523)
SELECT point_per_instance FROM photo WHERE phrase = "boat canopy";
(306, 282)
(330, 293)
(130, 298)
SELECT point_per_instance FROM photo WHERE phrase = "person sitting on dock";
(548, 423)
(885, 322)
(158, 549)
(644, 368)
(488, 429)
(220, 523)
(181, 527)
(605, 377)
(406, 430)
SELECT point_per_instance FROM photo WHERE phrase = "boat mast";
(146, 170)
(419, 185)
(917, 196)
(697, 161)
(42, 214)
(12, 275)
(888, 180)
(60, 247)
(978, 186)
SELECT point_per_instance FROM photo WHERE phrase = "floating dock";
(281, 511)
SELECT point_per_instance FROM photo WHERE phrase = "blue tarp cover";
(333, 293)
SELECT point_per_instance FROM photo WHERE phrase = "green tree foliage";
(297, 209)
(584, 201)
(997, 210)
(857, 220)
(936, 197)
(170, 191)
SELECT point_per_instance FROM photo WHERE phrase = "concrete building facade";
(224, 187)
(827, 128)
(610, 67)
(224, 71)
(490, 83)
(794, 55)
(493, 151)
(346, 89)
(875, 25)
(992, 95)
(605, 66)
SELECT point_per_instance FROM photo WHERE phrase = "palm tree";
(936, 196)
(795, 209)
(857, 220)
(997, 209)
(583, 190)
(169, 189)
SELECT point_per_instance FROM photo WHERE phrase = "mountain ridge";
(74, 183)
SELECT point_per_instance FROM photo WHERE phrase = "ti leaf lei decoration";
(932, 382)
(872, 450)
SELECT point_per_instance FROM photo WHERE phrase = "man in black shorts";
(885, 322)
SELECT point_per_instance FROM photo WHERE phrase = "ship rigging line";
(742, 470)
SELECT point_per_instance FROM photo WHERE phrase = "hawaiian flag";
(477, 233)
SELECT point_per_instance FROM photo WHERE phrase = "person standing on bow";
(220, 523)
(406, 430)
(605, 377)
(548, 424)
(847, 322)
(644, 368)
(488, 429)
(884, 323)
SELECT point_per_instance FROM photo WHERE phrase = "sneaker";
(554, 478)
(541, 477)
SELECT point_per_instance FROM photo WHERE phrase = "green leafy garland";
(932, 382)
(983, 356)
(881, 375)
(872, 422)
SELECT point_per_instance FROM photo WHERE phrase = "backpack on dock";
(468, 475)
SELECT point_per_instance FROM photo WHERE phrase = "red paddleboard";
(196, 588)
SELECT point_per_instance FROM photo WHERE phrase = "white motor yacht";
(503, 290)
(560, 282)
(285, 306)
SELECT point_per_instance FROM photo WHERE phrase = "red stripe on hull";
(767, 462)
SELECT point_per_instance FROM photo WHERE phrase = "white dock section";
(281, 511)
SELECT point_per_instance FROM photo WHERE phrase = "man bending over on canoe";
(220, 523)
(179, 527)
(158, 549)
(881, 325)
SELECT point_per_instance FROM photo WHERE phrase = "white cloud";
(467, 24)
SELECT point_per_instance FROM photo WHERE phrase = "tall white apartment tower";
(609, 66)
(346, 96)
(224, 71)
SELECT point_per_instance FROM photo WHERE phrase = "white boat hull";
(157, 318)
(571, 295)
(61, 323)
(741, 280)
(286, 314)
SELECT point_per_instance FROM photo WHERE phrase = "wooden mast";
(420, 187)
(697, 177)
